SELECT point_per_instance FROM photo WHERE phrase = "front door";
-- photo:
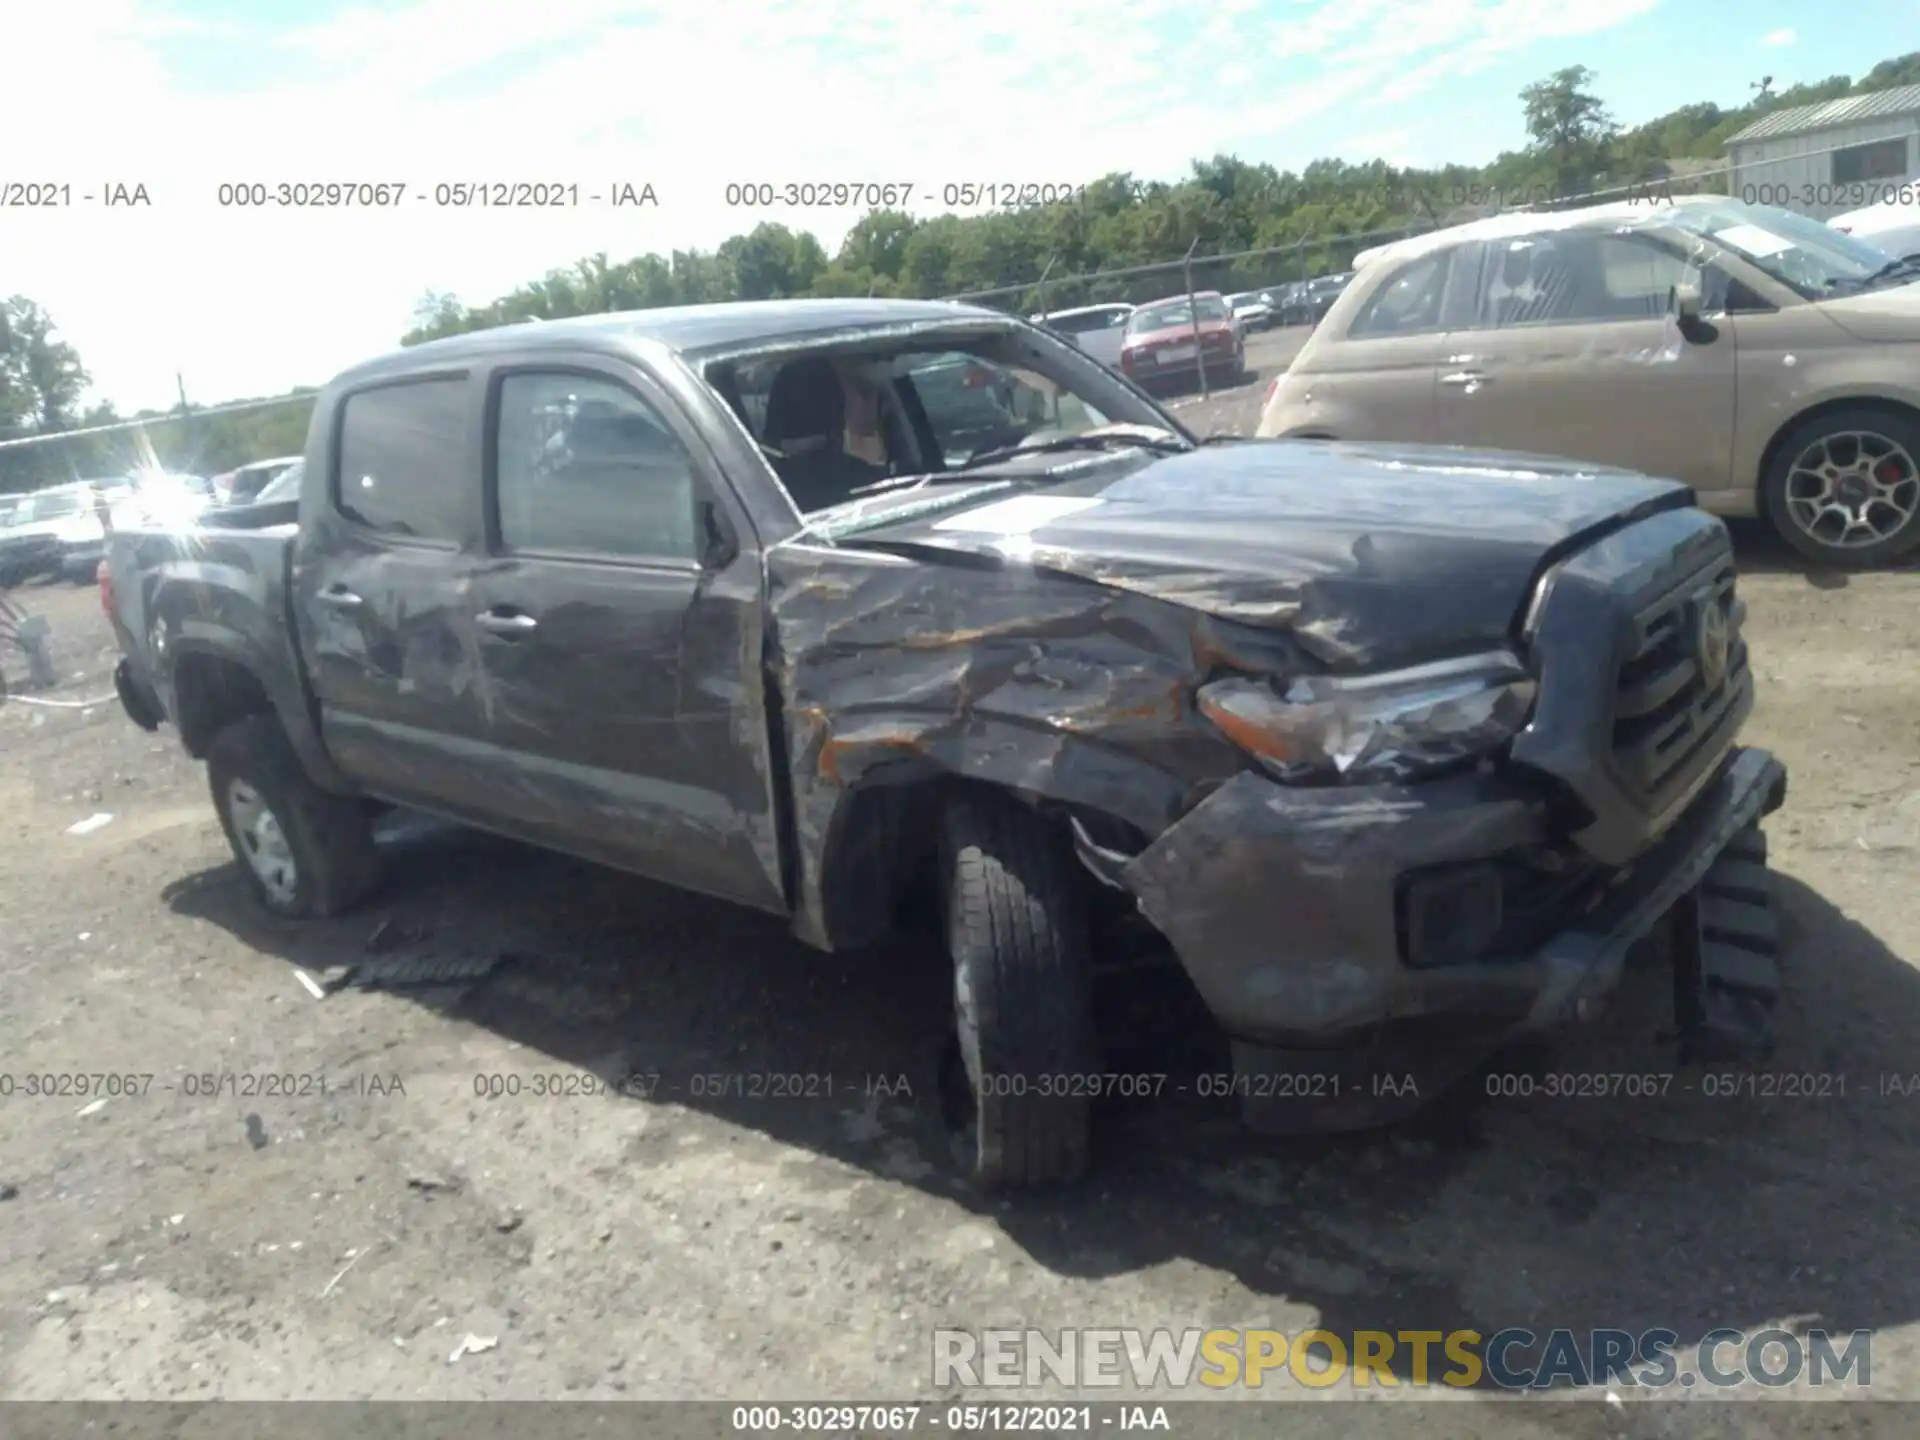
(1571, 352)
(619, 631)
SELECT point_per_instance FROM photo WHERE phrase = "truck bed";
(217, 590)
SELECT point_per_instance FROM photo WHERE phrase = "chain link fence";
(1319, 256)
(1274, 270)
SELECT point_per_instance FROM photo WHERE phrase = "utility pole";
(187, 446)
(1193, 314)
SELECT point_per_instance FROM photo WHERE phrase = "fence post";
(1193, 316)
(1041, 285)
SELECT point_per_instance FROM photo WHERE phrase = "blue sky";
(183, 95)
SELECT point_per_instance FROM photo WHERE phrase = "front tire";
(1017, 931)
(306, 853)
(1844, 488)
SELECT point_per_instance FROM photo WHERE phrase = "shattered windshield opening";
(845, 424)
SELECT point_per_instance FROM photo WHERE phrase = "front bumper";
(1288, 909)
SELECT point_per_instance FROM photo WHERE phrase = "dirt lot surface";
(197, 1240)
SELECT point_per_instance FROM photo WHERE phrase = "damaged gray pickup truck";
(830, 608)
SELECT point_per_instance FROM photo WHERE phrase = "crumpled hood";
(1368, 554)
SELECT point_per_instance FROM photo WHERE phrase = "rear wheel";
(1844, 488)
(306, 853)
(1017, 931)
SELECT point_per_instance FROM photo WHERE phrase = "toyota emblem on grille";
(1711, 642)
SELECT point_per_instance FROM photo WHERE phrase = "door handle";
(1467, 377)
(340, 598)
(511, 624)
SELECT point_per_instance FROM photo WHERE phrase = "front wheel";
(1844, 488)
(1017, 931)
(306, 853)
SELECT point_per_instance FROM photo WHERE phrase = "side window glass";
(1406, 304)
(585, 466)
(1640, 277)
(1576, 278)
(401, 453)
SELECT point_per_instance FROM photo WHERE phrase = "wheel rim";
(1852, 489)
(263, 844)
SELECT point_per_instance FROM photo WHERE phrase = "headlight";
(1390, 726)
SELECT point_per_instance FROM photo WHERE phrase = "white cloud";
(1777, 38)
(687, 94)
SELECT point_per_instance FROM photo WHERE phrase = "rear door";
(1570, 352)
(619, 618)
(1376, 381)
(382, 587)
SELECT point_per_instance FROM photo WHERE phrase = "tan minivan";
(1769, 361)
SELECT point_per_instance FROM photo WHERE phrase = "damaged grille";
(1679, 680)
(1644, 680)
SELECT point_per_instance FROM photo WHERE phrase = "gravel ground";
(699, 1241)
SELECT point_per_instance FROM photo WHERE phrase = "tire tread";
(330, 834)
(1016, 916)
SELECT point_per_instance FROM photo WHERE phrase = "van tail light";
(105, 577)
(1273, 387)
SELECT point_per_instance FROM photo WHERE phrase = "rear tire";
(1017, 931)
(1840, 478)
(306, 853)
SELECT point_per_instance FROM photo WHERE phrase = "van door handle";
(1466, 377)
(340, 598)
(508, 623)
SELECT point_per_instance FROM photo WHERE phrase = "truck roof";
(693, 330)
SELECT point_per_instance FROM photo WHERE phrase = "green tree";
(1570, 126)
(41, 382)
(771, 262)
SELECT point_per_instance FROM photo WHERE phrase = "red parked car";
(1160, 343)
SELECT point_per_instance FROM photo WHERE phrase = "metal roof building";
(1825, 159)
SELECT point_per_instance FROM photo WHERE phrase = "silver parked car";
(1096, 329)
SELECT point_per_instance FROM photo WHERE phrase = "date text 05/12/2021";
(467, 194)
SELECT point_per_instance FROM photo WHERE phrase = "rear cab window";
(402, 453)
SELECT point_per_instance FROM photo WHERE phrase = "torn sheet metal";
(893, 670)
